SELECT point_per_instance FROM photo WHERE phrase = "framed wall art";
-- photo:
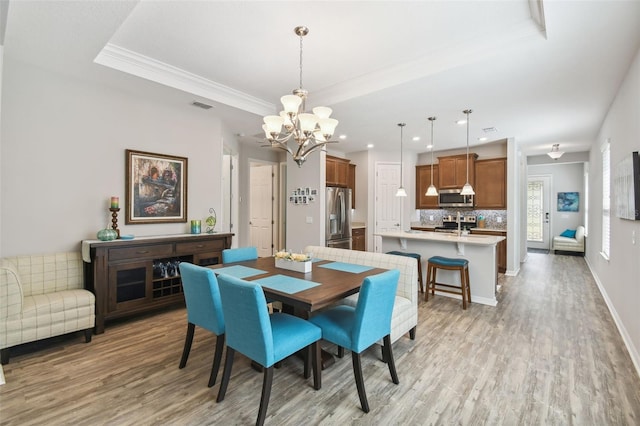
(568, 201)
(156, 188)
(626, 185)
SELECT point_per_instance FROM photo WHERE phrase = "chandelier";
(309, 132)
(401, 191)
(555, 152)
(467, 189)
(431, 191)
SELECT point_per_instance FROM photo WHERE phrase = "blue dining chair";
(264, 338)
(239, 254)
(202, 297)
(357, 328)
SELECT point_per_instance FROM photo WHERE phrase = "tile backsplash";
(494, 219)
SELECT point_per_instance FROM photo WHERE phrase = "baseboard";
(633, 352)
(2, 381)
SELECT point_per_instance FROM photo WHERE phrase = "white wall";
(63, 156)
(618, 276)
(565, 177)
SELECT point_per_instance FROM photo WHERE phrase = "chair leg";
(389, 357)
(428, 283)
(340, 351)
(88, 333)
(4, 356)
(307, 361)
(357, 372)
(228, 364)
(266, 394)
(216, 359)
(187, 344)
(420, 275)
(463, 285)
(317, 367)
(466, 273)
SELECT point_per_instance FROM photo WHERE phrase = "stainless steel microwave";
(453, 198)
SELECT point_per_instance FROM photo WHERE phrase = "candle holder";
(114, 220)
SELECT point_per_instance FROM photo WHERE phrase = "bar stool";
(417, 257)
(438, 262)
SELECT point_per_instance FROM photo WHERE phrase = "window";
(606, 201)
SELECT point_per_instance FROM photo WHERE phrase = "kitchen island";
(479, 250)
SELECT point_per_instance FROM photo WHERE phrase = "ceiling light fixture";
(555, 152)
(431, 191)
(401, 191)
(309, 131)
(467, 189)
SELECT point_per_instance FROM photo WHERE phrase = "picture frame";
(155, 188)
(568, 201)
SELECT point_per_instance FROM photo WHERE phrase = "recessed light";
(489, 129)
(429, 146)
(416, 138)
(342, 136)
(482, 139)
(461, 122)
(369, 145)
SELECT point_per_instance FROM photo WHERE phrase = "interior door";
(538, 212)
(388, 211)
(261, 207)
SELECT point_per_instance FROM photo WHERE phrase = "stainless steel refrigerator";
(338, 218)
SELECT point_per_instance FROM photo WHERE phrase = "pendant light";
(401, 191)
(431, 191)
(467, 189)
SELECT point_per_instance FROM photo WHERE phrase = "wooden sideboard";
(134, 276)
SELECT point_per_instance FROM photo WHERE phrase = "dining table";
(300, 293)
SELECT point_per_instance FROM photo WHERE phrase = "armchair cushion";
(569, 233)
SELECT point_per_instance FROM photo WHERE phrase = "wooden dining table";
(326, 285)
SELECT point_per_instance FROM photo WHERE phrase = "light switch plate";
(309, 219)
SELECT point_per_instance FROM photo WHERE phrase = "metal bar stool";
(417, 257)
(438, 262)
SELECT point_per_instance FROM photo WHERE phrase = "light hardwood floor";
(549, 353)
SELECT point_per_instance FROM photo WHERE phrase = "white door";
(261, 207)
(388, 211)
(538, 211)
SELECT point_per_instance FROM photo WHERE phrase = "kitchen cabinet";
(491, 183)
(358, 241)
(135, 276)
(452, 171)
(423, 180)
(501, 249)
(352, 184)
(337, 171)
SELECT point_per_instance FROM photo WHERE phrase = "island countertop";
(479, 250)
(475, 239)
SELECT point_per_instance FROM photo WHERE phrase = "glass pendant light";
(401, 191)
(467, 189)
(431, 191)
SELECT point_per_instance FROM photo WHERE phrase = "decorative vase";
(107, 234)
(211, 221)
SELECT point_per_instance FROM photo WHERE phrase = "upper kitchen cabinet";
(491, 184)
(337, 170)
(452, 171)
(423, 180)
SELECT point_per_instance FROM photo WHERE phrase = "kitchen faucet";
(458, 220)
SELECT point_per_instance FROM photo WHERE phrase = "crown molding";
(130, 62)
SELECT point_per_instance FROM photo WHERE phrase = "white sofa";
(43, 296)
(405, 310)
(570, 244)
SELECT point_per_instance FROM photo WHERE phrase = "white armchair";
(575, 244)
(43, 296)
